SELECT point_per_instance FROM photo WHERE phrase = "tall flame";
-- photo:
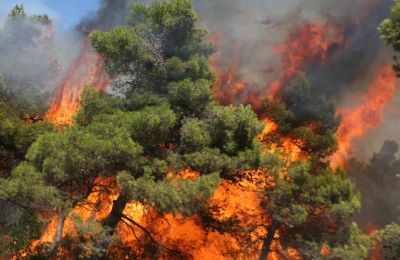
(357, 121)
(228, 85)
(310, 42)
(87, 70)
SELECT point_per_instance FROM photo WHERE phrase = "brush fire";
(204, 130)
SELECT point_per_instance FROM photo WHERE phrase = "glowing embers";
(87, 70)
(357, 121)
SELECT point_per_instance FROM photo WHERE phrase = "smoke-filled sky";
(67, 12)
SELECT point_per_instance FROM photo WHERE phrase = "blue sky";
(67, 12)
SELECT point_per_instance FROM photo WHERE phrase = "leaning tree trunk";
(112, 220)
(266, 248)
(58, 235)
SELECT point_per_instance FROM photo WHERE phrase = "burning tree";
(165, 122)
(307, 116)
(161, 151)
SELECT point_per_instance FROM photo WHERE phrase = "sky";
(67, 13)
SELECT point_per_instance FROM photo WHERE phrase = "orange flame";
(288, 146)
(311, 42)
(358, 121)
(87, 70)
(228, 85)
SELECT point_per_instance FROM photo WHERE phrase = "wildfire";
(288, 146)
(87, 69)
(310, 42)
(228, 85)
(187, 230)
(359, 120)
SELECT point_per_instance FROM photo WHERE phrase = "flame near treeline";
(310, 44)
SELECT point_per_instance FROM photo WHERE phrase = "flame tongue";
(311, 42)
(358, 121)
(87, 69)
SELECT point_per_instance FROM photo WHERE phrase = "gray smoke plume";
(255, 27)
(248, 31)
(378, 183)
(35, 54)
(110, 14)
(28, 60)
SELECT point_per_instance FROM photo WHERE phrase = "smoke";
(362, 51)
(378, 183)
(260, 26)
(248, 36)
(110, 14)
(35, 54)
(27, 60)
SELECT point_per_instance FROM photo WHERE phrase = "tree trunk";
(58, 235)
(266, 248)
(111, 221)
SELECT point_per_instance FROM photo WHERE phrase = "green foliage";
(16, 135)
(308, 105)
(389, 30)
(142, 98)
(93, 103)
(19, 225)
(311, 210)
(196, 67)
(126, 52)
(18, 230)
(195, 135)
(28, 185)
(307, 116)
(176, 196)
(161, 43)
(390, 242)
(87, 242)
(152, 126)
(233, 128)
(164, 121)
(307, 192)
(190, 98)
(351, 243)
(176, 23)
(61, 167)
(208, 160)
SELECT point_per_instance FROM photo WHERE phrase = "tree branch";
(141, 227)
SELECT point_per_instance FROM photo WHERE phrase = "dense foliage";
(307, 116)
